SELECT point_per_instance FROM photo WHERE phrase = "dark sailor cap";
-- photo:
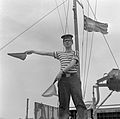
(67, 36)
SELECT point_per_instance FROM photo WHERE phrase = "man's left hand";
(59, 75)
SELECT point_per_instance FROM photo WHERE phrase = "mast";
(27, 108)
(76, 31)
(75, 25)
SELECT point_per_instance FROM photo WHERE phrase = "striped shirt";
(65, 58)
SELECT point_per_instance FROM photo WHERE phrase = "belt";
(68, 74)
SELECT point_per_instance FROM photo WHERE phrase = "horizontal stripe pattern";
(65, 58)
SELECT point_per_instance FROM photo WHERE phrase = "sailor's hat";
(67, 36)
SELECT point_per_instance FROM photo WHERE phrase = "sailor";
(69, 83)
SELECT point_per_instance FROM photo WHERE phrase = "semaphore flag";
(50, 91)
(92, 25)
(21, 56)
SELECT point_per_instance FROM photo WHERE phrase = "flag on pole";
(92, 25)
(50, 91)
(21, 56)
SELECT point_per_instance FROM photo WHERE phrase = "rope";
(111, 52)
(88, 67)
(82, 43)
(30, 27)
(86, 80)
(105, 38)
(64, 11)
(85, 85)
(67, 19)
(59, 16)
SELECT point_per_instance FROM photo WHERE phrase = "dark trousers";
(70, 86)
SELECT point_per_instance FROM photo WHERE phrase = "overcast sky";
(20, 80)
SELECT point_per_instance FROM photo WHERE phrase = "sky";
(20, 80)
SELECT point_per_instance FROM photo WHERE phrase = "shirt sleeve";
(75, 57)
(56, 55)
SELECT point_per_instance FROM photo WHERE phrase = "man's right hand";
(29, 52)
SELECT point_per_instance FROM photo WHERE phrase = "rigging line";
(84, 72)
(82, 63)
(111, 52)
(67, 18)
(82, 67)
(88, 66)
(90, 54)
(59, 16)
(85, 59)
(91, 9)
(82, 43)
(105, 39)
(80, 4)
(64, 11)
(83, 36)
(30, 26)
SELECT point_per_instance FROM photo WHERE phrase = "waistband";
(68, 74)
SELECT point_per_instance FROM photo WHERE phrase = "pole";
(27, 108)
(75, 25)
(76, 31)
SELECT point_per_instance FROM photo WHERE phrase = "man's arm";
(72, 63)
(40, 53)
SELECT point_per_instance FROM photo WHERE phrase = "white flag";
(50, 91)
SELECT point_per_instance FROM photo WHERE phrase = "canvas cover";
(113, 81)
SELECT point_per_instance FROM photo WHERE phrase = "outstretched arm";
(40, 53)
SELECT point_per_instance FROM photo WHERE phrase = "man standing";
(69, 83)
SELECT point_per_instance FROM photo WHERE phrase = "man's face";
(67, 42)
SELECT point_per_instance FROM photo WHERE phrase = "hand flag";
(50, 91)
(21, 56)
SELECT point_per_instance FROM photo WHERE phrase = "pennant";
(21, 56)
(92, 25)
(50, 91)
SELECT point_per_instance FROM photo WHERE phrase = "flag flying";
(92, 25)
(50, 91)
